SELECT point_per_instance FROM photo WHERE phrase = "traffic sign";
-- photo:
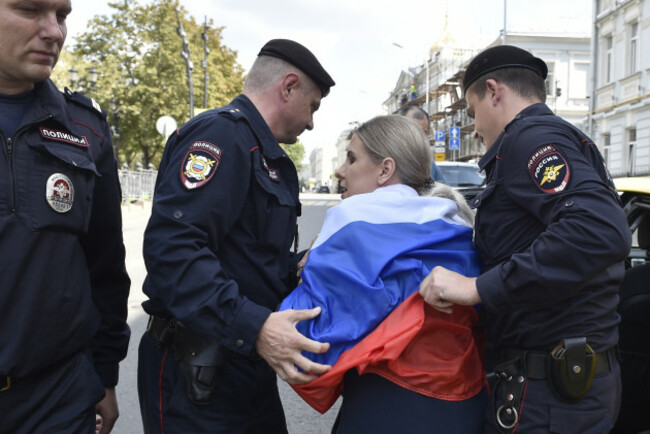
(454, 144)
(454, 132)
(440, 136)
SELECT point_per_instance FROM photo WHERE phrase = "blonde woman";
(401, 365)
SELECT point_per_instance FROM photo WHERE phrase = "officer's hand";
(280, 344)
(442, 288)
(108, 412)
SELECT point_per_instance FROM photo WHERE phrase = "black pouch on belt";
(510, 385)
(572, 365)
(198, 360)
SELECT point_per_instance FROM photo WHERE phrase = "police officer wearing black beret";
(217, 251)
(552, 237)
(63, 283)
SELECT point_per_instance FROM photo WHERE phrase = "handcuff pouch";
(572, 365)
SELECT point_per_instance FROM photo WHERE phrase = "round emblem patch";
(199, 164)
(549, 169)
(59, 193)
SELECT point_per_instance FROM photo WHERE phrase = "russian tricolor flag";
(364, 270)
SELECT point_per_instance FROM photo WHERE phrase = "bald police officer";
(217, 251)
(552, 238)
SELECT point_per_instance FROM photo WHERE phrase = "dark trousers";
(543, 413)
(245, 400)
(59, 399)
(372, 404)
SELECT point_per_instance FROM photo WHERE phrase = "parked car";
(634, 308)
(464, 177)
(323, 189)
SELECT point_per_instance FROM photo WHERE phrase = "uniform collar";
(490, 154)
(537, 109)
(49, 102)
(268, 142)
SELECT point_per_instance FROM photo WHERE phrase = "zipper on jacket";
(10, 149)
(10, 144)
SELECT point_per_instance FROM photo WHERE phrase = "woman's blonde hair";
(403, 140)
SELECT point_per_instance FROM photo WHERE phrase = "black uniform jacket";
(224, 217)
(63, 285)
(551, 234)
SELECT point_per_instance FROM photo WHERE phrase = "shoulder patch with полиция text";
(200, 164)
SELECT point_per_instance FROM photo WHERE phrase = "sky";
(358, 41)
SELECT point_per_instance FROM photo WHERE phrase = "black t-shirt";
(12, 109)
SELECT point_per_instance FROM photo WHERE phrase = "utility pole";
(204, 63)
(185, 54)
(505, 10)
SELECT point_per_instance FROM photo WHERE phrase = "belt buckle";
(5, 383)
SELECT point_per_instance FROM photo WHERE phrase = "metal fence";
(137, 184)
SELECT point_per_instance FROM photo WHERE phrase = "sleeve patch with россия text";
(549, 169)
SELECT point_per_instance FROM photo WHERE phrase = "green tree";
(296, 152)
(137, 52)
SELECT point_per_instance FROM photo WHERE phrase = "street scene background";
(301, 419)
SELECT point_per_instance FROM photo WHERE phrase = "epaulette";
(233, 113)
(84, 101)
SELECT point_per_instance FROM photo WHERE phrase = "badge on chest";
(59, 193)
(274, 174)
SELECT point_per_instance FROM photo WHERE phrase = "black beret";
(500, 57)
(301, 58)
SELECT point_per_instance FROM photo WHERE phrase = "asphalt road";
(301, 419)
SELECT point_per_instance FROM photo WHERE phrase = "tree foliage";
(137, 53)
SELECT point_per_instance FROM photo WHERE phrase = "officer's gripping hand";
(108, 412)
(281, 345)
(442, 288)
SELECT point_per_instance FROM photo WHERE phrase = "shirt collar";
(537, 109)
(270, 146)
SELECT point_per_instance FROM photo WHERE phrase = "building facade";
(322, 164)
(440, 91)
(619, 117)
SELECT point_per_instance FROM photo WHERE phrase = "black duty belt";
(536, 362)
(5, 383)
(161, 329)
(569, 370)
(164, 329)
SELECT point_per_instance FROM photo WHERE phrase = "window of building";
(606, 141)
(550, 79)
(633, 47)
(631, 152)
(609, 44)
(578, 80)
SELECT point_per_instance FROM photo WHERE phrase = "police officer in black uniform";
(553, 238)
(63, 283)
(217, 251)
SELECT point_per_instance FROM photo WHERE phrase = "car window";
(462, 176)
